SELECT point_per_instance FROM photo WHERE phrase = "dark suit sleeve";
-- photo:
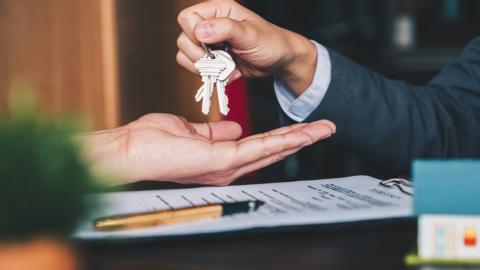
(391, 122)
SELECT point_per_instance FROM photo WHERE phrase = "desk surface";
(345, 248)
(354, 247)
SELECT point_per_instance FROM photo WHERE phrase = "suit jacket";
(390, 122)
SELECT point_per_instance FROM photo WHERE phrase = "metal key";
(222, 97)
(209, 68)
(215, 68)
(222, 80)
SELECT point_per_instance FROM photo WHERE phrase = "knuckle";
(266, 151)
(284, 139)
(153, 117)
(181, 41)
(276, 159)
(182, 121)
(179, 57)
(221, 4)
(147, 116)
(228, 25)
(215, 3)
(267, 134)
(182, 16)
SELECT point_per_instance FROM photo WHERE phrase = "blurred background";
(114, 60)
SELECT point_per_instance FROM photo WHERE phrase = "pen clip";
(400, 183)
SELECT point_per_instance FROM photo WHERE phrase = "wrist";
(300, 64)
(106, 154)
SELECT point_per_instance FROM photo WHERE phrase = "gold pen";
(162, 217)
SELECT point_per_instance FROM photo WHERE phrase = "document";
(324, 201)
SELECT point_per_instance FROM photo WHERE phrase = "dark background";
(364, 30)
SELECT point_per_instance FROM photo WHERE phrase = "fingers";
(236, 74)
(189, 17)
(330, 124)
(262, 147)
(262, 163)
(277, 131)
(213, 31)
(185, 62)
(229, 160)
(238, 34)
(201, 23)
(190, 49)
(256, 148)
(223, 180)
(219, 131)
(319, 130)
(262, 150)
(290, 128)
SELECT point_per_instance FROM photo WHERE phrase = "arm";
(166, 147)
(385, 120)
(392, 122)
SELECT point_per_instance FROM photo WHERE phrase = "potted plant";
(43, 181)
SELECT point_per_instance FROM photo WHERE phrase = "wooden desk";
(376, 246)
(348, 248)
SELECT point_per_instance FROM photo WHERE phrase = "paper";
(287, 203)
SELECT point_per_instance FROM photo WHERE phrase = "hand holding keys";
(215, 68)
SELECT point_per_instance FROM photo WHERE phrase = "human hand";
(259, 47)
(166, 147)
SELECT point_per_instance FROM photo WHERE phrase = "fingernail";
(309, 142)
(235, 75)
(332, 126)
(328, 135)
(204, 30)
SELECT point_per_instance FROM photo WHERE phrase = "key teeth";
(199, 94)
(205, 107)
(224, 112)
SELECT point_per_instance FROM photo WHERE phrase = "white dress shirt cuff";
(299, 108)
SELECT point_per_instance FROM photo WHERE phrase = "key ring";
(400, 183)
(208, 51)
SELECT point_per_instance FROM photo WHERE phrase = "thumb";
(219, 131)
(217, 30)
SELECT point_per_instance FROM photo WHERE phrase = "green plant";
(43, 179)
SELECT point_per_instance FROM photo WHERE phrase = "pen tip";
(258, 204)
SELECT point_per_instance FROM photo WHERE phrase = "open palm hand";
(168, 148)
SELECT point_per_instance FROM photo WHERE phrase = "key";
(206, 95)
(209, 68)
(227, 58)
(223, 80)
(214, 68)
(222, 97)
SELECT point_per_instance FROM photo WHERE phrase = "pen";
(162, 217)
